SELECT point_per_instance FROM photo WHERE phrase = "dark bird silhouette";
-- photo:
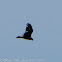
(28, 32)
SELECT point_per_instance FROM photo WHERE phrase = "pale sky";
(45, 16)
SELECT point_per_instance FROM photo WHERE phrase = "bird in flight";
(28, 32)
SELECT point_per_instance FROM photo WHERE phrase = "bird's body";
(28, 32)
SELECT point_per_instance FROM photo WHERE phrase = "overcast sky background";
(45, 16)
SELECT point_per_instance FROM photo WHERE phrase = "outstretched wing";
(29, 28)
(28, 31)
